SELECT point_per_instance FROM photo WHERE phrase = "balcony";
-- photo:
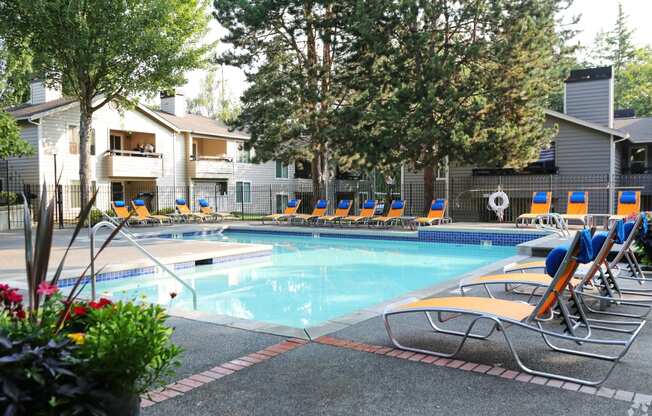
(133, 164)
(210, 167)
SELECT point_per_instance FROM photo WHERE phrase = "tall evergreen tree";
(442, 79)
(291, 52)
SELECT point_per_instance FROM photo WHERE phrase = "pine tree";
(438, 79)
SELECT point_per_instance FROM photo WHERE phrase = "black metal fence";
(467, 196)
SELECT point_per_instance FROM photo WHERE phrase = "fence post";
(410, 198)
(242, 201)
(270, 199)
(59, 191)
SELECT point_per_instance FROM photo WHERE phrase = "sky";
(595, 15)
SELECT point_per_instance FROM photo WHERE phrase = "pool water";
(308, 280)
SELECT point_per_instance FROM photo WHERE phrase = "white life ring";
(495, 207)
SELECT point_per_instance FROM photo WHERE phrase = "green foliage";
(8, 198)
(15, 74)
(43, 378)
(105, 51)
(165, 211)
(635, 83)
(128, 346)
(11, 144)
(214, 100)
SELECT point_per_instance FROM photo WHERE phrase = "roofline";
(158, 118)
(588, 124)
(45, 113)
(227, 136)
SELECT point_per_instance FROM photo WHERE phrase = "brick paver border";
(187, 384)
(622, 395)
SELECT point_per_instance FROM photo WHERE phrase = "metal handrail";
(560, 226)
(107, 224)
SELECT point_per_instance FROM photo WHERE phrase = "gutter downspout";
(612, 171)
(39, 147)
(174, 163)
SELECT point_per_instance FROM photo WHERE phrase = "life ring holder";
(497, 208)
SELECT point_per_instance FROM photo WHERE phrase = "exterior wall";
(590, 101)
(27, 168)
(579, 150)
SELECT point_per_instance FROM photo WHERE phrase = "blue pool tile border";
(143, 271)
(434, 236)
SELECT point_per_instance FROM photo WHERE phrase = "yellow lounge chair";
(142, 211)
(122, 213)
(436, 214)
(540, 208)
(577, 208)
(289, 212)
(552, 308)
(206, 209)
(629, 205)
(317, 211)
(395, 213)
(342, 211)
(366, 213)
(185, 212)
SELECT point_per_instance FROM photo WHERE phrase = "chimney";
(40, 93)
(589, 95)
(173, 102)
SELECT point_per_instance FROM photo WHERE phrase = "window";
(73, 140)
(281, 170)
(74, 194)
(638, 158)
(117, 191)
(243, 192)
(193, 156)
(281, 202)
(115, 142)
(244, 155)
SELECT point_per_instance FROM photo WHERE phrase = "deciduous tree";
(107, 51)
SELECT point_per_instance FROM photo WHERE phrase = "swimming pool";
(308, 281)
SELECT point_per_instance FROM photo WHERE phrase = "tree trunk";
(315, 172)
(85, 120)
(428, 185)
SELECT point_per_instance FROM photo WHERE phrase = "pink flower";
(80, 310)
(3, 287)
(47, 289)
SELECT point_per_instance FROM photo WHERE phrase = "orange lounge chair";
(540, 208)
(576, 331)
(395, 213)
(142, 211)
(366, 213)
(436, 214)
(122, 213)
(629, 205)
(342, 211)
(577, 208)
(317, 211)
(206, 209)
(289, 212)
(185, 212)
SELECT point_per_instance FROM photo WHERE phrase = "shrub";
(166, 211)
(8, 198)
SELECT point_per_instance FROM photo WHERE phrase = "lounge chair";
(206, 209)
(366, 213)
(394, 215)
(142, 211)
(289, 212)
(184, 211)
(342, 211)
(318, 211)
(552, 308)
(629, 205)
(598, 282)
(631, 230)
(436, 214)
(577, 208)
(540, 208)
(122, 213)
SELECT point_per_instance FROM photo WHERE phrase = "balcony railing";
(210, 167)
(133, 164)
